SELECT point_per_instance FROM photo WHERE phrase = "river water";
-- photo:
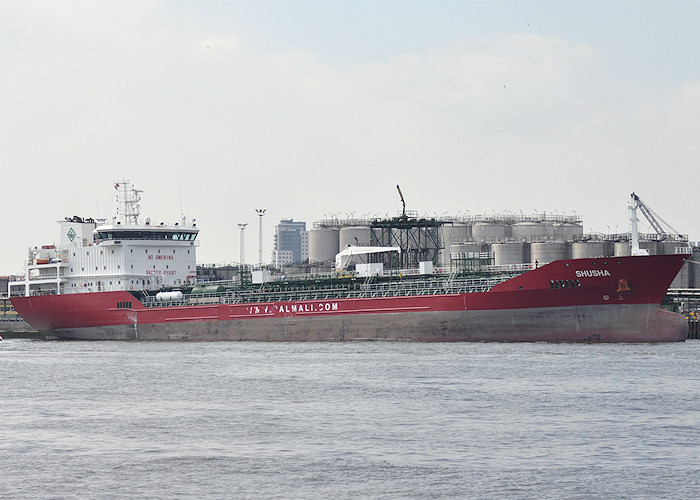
(348, 420)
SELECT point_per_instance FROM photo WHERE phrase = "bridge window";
(161, 234)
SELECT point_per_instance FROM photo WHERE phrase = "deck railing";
(365, 290)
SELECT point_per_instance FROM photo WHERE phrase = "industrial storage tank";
(531, 229)
(324, 244)
(673, 247)
(509, 253)
(688, 276)
(454, 233)
(355, 236)
(451, 234)
(466, 248)
(567, 230)
(549, 252)
(622, 249)
(694, 270)
(589, 249)
(651, 246)
(489, 231)
(683, 278)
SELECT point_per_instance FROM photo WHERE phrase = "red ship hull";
(612, 299)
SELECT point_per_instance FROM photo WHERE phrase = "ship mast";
(128, 199)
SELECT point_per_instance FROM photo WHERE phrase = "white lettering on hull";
(592, 273)
(286, 308)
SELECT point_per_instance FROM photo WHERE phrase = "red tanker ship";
(141, 285)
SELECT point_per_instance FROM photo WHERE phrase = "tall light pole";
(261, 212)
(242, 226)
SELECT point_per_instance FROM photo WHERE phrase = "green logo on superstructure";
(71, 234)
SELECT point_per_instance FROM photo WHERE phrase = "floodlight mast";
(242, 254)
(261, 212)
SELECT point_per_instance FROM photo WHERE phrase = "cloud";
(187, 112)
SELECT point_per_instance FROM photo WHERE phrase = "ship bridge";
(117, 232)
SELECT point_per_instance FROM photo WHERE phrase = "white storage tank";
(688, 275)
(466, 248)
(454, 233)
(650, 246)
(567, 230)
(488, 231)
(683, 278)
(530, 229)
(622, 249)
(694, 270)
(508, 253)
(445, 253)
(672, 247)
(589, 249)
(169, 296)
(323, 244)
(549, 252)
(356, 236)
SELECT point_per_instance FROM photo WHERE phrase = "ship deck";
(338, 288)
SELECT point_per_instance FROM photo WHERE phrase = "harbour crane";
(402, 201)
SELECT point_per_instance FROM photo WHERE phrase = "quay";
(17, 328)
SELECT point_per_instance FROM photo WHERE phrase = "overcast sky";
(307, 108)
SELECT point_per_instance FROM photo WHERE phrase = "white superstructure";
(125, 255)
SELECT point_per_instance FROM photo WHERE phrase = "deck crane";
(653, 220)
